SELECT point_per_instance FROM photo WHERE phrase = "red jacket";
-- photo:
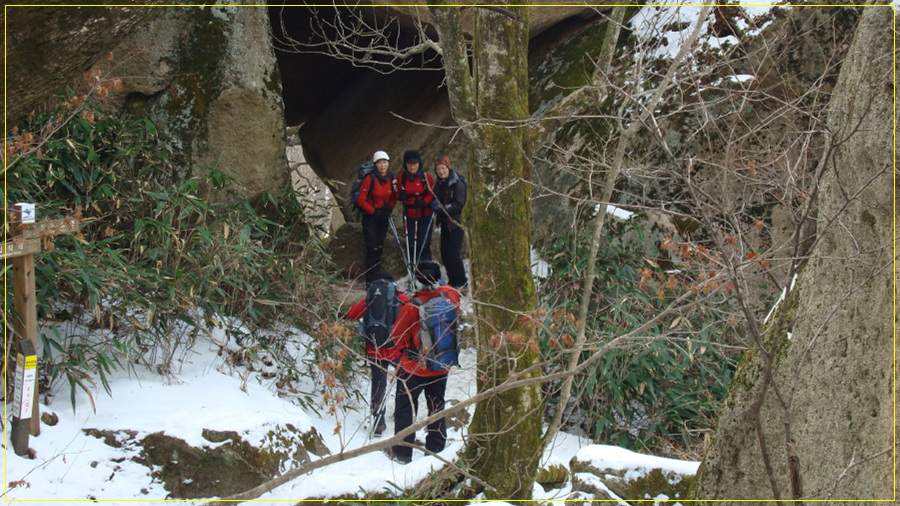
(416, 187)
(373, 194)
(357, 311)
(406, 330)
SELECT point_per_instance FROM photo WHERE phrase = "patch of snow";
(614, 457)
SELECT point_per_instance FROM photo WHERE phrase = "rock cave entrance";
(343, 113)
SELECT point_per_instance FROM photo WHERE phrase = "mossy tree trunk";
(489, 100)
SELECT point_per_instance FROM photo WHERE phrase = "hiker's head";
(382, 275)
(412, 160)
(442, 166)
(428, 273)
(381, 161)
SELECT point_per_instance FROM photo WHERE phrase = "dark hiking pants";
(380, 373)
(374, 233)
(408, 389)
(451, 245)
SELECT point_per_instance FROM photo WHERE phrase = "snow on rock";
(610, 470)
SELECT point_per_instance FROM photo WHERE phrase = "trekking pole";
(410, 285)
(425, 238)
(416, 244)
(402, 252)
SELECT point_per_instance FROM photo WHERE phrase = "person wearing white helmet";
(376, 199)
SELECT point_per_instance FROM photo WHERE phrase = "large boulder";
(208, 79)
(811, 415)
(49, 47)
(346, 112)
(348, 252)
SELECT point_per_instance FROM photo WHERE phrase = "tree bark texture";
(824, 413)
(490, 101)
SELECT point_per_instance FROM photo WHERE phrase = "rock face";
(207, 77)
(347, 113)
(347, 250)
(828, 430)
(798, 50)
(49, 47)
(209, 80)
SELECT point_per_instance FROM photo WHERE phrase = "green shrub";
(157, 260)
(663, 392)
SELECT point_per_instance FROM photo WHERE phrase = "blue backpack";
(440, 345)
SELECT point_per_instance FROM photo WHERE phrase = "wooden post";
(25, 241)
(24, 294)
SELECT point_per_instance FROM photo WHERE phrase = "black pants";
(380, 371)
(418, 239)
(451, 244)
(374, 232)
(407, 403)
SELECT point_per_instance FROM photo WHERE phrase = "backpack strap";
(423, 328)
(426, 340)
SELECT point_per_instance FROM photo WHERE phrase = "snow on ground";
(204, 393)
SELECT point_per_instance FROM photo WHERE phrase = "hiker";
(376, 200)
(381, 354)
(450, 198)
(415, 374)
(414, 190)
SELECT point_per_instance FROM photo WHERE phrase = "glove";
(383, 212)
(419, 203)
(402, 195)
(435, 205)
(413, 354)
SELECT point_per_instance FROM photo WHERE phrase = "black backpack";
(364, 170)
(382, 307)
(440, 344)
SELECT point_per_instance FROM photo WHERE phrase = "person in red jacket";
(380, 360)
(414, 189)
(377, 197)
(413, 375)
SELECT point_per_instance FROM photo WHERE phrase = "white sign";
(29, 213)
(26, 367)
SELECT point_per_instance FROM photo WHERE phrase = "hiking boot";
(380, 430)
(397, 458)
